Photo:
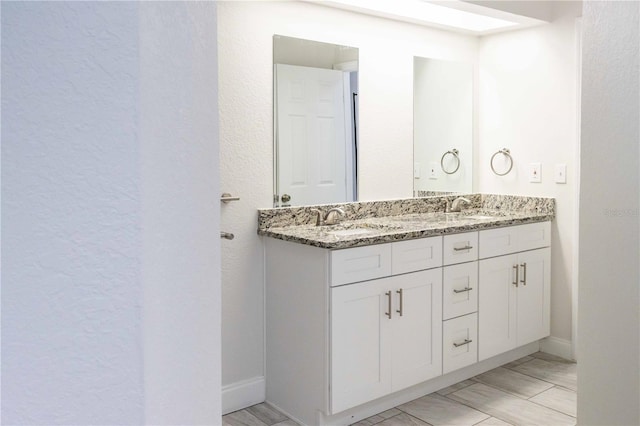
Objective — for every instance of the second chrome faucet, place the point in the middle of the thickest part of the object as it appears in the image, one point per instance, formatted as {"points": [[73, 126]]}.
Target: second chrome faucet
{"points": [[331, 218]]}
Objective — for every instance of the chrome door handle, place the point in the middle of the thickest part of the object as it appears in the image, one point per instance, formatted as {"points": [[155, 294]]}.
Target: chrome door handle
{"points": [[467, 247], [226, 198], [524, 273], [388, 294], [400, 310], [463, 290], [466, 342], [227, 235], [516, 281]]}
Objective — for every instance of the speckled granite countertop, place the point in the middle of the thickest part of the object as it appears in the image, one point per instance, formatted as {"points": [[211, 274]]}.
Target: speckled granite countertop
{"points": [[376, 230]]}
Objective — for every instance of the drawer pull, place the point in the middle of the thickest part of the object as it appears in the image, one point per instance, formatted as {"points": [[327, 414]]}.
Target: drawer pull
{"points": [[524, 273], [516, 281], [463, 290], [466, 342], [388, 294], [467, 247], [400, 310]]}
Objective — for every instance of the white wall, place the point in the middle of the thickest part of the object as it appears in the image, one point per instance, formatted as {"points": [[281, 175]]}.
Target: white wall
{"points": [[109, 214], [609, 324], [528, 103], [386, 51]]}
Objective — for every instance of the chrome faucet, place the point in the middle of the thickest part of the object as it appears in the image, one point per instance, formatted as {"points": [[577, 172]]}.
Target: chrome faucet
{"points": [[331, 218], [457, 205]]}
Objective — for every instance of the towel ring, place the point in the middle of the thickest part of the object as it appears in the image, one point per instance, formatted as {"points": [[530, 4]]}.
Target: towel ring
{"points": [[453, 152], [507, 153]]}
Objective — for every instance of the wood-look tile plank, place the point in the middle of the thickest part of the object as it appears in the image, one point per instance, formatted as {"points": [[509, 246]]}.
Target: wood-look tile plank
{"points": [[403, 419], [518, 362], [509, 408], [559, 399], [267, 414], [513, 382], [549, 357], [390, 413], [438, 410], [492, 421], [287, 422], [559, 373], [457, 386], [242, 418]]}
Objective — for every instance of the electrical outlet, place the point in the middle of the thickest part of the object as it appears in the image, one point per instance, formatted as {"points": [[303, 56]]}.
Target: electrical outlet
{"points": [[535, 172]]}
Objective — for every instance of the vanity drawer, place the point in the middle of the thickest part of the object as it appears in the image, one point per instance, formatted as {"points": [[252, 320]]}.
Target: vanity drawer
{"points": [[416, 255], [459, 342], [360, 264], [512, 239], [460, 248], [459, 290]]}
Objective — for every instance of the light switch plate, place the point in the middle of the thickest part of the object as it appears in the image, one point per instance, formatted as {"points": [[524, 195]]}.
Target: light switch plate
{"points": [[535, 172], [561, 173], [433, 170]]}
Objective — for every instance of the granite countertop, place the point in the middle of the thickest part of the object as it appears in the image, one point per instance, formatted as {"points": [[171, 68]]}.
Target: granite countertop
{"points": [[377, 230]]}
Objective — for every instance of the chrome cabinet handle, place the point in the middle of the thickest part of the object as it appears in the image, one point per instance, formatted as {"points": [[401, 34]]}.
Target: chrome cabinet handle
{"points": [[400, 310], [516, 281], [467, 247], [463, 290], [388, 294], [466, 342], [524, 273], [227, 235]]}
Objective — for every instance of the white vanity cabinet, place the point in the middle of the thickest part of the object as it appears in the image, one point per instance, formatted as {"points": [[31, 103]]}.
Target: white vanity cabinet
{"points": [[385, 336], [514, 299]]}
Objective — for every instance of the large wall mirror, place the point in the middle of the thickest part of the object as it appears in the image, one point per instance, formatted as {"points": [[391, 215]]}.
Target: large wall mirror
{"points": [[442, 126], [315, 110]]}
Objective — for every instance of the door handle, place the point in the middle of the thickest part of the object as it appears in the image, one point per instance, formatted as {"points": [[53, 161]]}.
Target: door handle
{"points": [[516, 281], [226, 198], [463, 290], [524, 273], [400, 293], [466, 342], [227, 235]]}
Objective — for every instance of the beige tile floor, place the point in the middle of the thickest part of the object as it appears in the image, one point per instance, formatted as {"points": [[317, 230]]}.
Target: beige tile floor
{"points": [[535, 390]]}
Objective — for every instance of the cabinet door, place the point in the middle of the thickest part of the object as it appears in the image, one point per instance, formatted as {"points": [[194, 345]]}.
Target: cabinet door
{"points": [[360, 346], [533, 295], [416, 340], [496, 306]]}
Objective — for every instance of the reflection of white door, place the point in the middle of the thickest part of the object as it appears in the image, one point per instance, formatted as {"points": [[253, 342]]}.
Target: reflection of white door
{"points": [[311, 134]]}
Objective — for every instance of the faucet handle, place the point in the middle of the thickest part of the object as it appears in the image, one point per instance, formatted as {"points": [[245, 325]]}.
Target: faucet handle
{"points": [[319, 217]]}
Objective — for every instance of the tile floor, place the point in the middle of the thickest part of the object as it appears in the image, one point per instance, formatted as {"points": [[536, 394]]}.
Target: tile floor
{"points": [[535, 390]]}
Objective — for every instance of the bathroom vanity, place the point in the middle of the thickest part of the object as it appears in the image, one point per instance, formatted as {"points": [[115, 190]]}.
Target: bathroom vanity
{"points": [[379, 310]]}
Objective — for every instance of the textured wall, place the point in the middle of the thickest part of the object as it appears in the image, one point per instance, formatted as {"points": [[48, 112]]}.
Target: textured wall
{"points": [[609, 323], [110, 213], [71, 219]]}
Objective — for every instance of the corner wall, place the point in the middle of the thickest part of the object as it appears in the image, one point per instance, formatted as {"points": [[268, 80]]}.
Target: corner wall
{"points": [[609, 321]]}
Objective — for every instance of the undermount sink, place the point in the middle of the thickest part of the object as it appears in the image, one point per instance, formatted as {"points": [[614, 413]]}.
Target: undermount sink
{"points": [[351, 232]]}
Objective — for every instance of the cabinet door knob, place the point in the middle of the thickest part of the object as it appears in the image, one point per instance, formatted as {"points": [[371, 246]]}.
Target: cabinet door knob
{"points": [[516, 280], [524, 273]]}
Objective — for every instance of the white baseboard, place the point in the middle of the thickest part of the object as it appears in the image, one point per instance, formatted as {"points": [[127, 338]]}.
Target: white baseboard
{"points": [[239, 395], [556, 346]]}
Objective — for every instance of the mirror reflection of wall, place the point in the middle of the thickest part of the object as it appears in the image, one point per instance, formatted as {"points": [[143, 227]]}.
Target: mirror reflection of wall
{"points": [[315, 122], [442, 126]]}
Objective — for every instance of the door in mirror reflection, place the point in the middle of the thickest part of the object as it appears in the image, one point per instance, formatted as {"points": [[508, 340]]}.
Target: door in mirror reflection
{"points": [[313, 134], [442, 126], [315, 122]]}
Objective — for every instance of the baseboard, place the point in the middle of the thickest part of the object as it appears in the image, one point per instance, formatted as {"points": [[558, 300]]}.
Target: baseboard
{"points": [[556, 346], [239, 395]]}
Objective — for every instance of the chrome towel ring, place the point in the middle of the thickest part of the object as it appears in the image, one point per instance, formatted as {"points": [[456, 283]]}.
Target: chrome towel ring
{"points": [[455, 153], [506, 153]]}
